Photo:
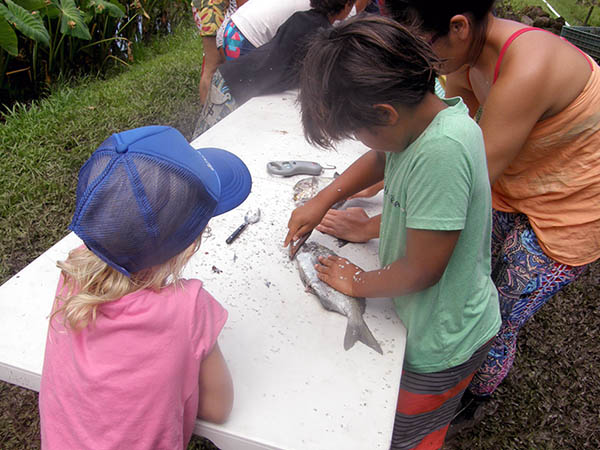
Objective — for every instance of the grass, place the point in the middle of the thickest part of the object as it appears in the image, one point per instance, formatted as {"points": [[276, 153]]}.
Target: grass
{"points": [[572, 11], [44, 145], [550, 400]]}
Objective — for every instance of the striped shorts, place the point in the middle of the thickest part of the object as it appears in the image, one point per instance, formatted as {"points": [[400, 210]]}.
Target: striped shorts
{"points": [[427, 403]]}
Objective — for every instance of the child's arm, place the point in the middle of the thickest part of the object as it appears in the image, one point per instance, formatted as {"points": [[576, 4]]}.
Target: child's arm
{"points": [[364, 172], [352, 224], [370, 191], [216, 388], [427, 255]]}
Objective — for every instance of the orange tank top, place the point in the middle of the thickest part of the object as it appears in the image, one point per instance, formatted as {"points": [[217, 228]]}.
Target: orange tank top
{"points": [[555, 179]]}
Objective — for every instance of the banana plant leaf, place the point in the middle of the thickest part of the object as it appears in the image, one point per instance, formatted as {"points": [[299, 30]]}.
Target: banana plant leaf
{"points": [[31, 25], [8, 38]]}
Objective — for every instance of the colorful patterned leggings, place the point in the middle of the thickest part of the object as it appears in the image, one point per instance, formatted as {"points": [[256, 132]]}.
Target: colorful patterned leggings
{"points": [[526, 279]]}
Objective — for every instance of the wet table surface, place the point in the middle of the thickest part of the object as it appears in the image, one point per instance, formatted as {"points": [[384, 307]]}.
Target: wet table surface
{"points": [[295, 385]]}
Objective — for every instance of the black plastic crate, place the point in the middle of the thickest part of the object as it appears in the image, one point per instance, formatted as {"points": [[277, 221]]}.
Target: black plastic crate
{"points": [[586, 38]]}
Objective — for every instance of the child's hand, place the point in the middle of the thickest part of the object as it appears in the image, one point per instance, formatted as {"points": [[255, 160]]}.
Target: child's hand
{"points": [[352, 224], [304, 219], [339, 273]]}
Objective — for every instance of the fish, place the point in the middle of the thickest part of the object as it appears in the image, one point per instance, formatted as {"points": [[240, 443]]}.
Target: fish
{"points": [[307, 188], [351, 307]]}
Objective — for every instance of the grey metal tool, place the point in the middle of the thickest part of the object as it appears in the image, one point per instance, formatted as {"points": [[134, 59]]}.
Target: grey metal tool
{"points": [[289, 168], [250, 217]]}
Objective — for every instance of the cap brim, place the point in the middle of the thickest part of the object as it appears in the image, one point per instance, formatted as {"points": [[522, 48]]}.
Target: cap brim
{"points": [[234, 176]]}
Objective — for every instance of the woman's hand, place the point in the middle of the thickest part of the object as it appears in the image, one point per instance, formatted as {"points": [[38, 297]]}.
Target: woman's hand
{"points": [[352, 224], [339, 273]]}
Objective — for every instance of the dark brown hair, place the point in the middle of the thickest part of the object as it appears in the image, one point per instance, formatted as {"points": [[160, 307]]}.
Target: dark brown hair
{"points": [[434, 16], [328, 7], [348, 69]]}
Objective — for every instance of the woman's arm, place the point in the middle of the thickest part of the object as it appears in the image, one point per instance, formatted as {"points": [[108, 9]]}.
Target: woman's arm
{"points": [[457, 85], [511, 110], [513, 106], [216, 388]]}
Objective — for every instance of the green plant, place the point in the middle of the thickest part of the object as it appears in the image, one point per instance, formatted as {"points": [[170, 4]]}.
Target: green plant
{"points": [[42, 40], [45, 143], [591, 4]]}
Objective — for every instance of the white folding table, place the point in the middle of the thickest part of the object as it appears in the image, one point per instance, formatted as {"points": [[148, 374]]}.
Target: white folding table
{"points": [[295, 385]]}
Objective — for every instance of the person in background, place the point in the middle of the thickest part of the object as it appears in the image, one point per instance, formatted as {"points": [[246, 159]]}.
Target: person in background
{"points": [[373, 79], [132, 356], [233, 7], [273, 67], [537, 100], [209, 16], [255, 24]]}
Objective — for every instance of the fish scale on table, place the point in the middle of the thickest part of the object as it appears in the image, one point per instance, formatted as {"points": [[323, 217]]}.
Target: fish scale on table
{"points": [[351, 307]]}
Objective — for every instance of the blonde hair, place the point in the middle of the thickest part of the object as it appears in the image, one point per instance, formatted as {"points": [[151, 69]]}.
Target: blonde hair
{"points": [[89, 282]]}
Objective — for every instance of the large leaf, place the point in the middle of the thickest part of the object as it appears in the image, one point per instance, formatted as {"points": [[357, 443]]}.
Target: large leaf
{"points": [[8, 38], [31, 5], [51, 10], [30, 24], [102, 6], [71, 22]]}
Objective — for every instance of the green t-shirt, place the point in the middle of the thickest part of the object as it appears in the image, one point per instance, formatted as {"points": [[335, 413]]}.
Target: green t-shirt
{"points": [[440, 182]]}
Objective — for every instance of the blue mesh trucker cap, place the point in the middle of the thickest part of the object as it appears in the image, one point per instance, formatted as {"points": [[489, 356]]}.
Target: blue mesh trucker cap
{"points": [[146, 194]]}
